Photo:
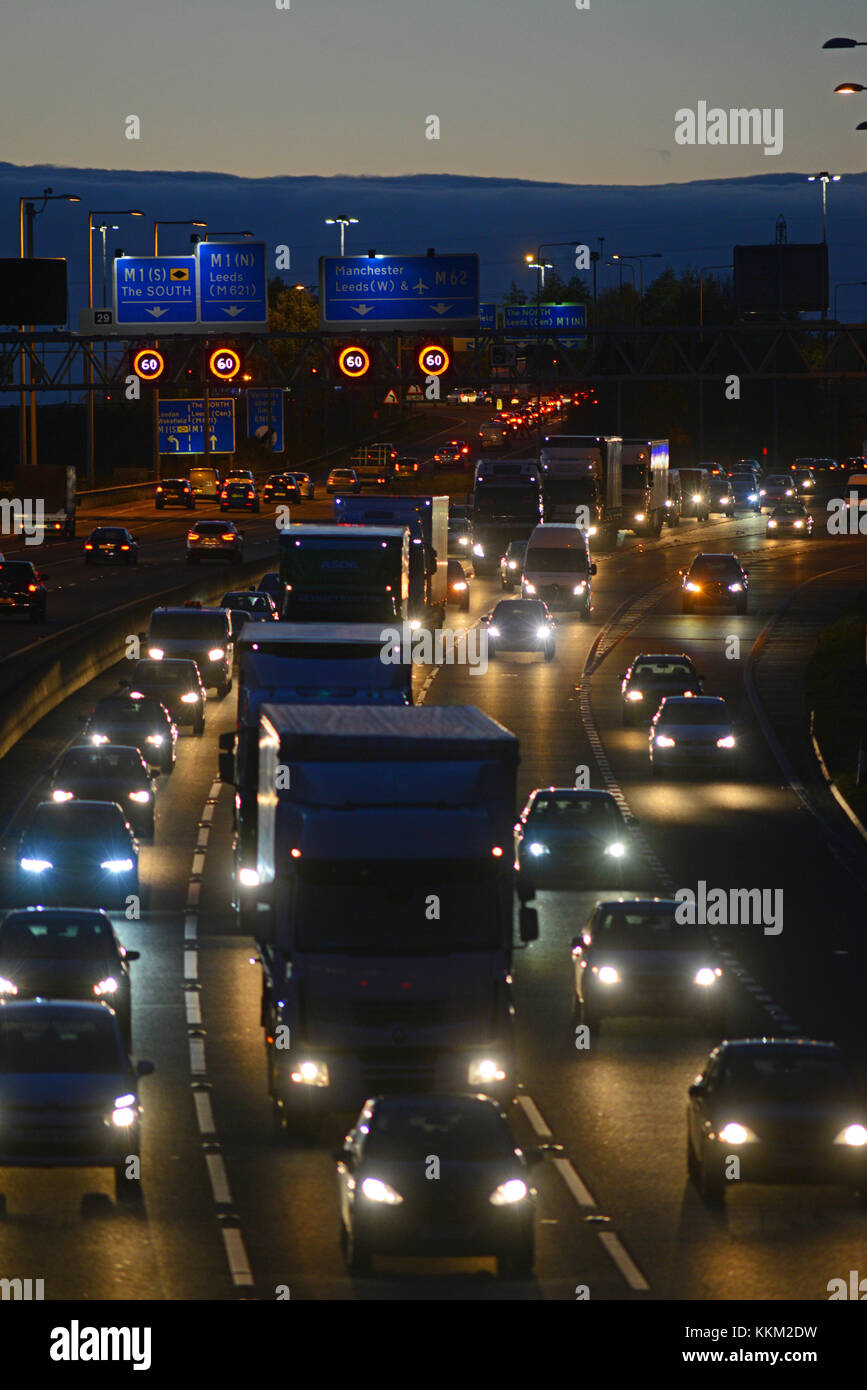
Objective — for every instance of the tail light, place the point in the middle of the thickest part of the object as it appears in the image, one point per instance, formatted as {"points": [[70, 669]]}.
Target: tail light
{"points": [[31, 588], [227, 536], [88, 546], [124, 546]]}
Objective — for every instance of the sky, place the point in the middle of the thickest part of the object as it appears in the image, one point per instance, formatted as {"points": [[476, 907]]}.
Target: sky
{"points": [[529, 89]]}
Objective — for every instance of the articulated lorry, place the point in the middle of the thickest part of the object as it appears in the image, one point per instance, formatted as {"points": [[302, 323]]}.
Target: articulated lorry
{"points": [[337, 574], [427, 519], [44, 502], [385, 903], [507, 505], [296, 664], [645, 485], [584, 484]]}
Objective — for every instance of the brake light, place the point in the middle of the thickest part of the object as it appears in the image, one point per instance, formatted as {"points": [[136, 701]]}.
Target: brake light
{"points": [[227, 536], [159, 489], [88, 546], [31, 588], [124, 546]]}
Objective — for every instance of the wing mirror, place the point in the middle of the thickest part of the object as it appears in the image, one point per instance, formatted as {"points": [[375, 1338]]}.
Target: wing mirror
{"points": [[132, 955], [144, 1068]]}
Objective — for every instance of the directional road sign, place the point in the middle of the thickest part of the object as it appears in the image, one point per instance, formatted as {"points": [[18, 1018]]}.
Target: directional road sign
{"points": [[399, 292], [233, 284], [265, 416], [182, 426], [155, 292], [520, 322]]}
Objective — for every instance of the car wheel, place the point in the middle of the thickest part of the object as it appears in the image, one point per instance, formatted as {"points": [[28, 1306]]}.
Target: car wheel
{"points": [[655, 768], [359, 1259], [676, 521], [465, 606], [159, 506], [167, 765], [127, 1190], [516, 1264], [149, 828], [711, 1183], [223, 689]]}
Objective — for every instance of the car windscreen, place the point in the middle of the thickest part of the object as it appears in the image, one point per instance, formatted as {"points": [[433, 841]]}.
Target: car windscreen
{"points": [[100, 762], [651, 931], [568, 560], [75, 821], [252, 603], [195, 626], [691, 712], [787, 1077], [517, 611], [16, 572], [42, 937], [407, 1135], [724, 568], [143, 711], [162, 673], [56, 1044], [662, 670], [109, 533], [212, 528], [789, 509], [580, 813]]}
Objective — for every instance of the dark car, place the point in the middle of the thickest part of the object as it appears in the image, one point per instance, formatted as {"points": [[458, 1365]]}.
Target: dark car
{"points": [[108, 772], [693, 733], [22, 589], [66, 953], [512, 564], [459, 545], [520, 625], [78, 852], [482, 1202], [144, 724], [68, 1091], [775, 488], [789, 519], [199, 634], [567, 836], [745, 491], [239, 495], [112, 545], [457, 586], [270, 584], [250, 605], [635, 959], [174, 492], [787, 1108], [695, 485], [716, 579], [343, 480], [457, 453], [281, 487], [406, 463], [177, 683], [652, 676], [804, 479], [722, 499], [214, 540]]}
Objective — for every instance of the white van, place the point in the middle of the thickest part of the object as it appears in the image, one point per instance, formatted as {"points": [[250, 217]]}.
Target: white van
{"points": [[205, 482], [558, 568]]}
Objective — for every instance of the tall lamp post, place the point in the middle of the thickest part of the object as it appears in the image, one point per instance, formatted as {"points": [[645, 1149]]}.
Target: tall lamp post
{"points": [[91, 408], [174, 222], [824, 178], [27, 212], [342, 221]]}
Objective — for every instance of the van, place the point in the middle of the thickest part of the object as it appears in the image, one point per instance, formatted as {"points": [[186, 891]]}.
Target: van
{"points": [[674, 501], [201, 634], [205, 482], [695, 489], [558, 568]]}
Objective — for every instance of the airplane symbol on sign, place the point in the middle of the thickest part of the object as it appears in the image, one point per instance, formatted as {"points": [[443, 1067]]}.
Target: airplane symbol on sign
{"points": [[420, 286]]}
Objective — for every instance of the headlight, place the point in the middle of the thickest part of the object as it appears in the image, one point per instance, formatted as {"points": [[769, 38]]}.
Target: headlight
{"points": [[762, 492], [190, 698], [772, 525], [542, 633], [117, 866], [528, 587], [696, 497], [592, 530], [155, 739], [808, 482], [107, 986], [692, 587], [513, 564], [35, 866], [664, 741], [459, 586], [483, 1070], [579, 588], [123, 1113], [463, 540], [537, 849], [494, 631], [727, 742], [156, 652], [249, 878], [724, 501], [415, 625], [753, 497], [216, 654], [635, 695], [376, 1191], [479, 550], [639, 516], [855, 1136], [617, 850], [789, 492], [706, 976], [799, 525], [607, 975], [7, 986], [58, 795], [733, 1133], [735, 588], [99, 738], [515, 1190], [311, 1073], [139, 797]]}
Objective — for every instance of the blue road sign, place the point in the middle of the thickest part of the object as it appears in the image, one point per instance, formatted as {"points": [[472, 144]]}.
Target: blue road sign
{"points": [[265, 415], [487, 318], [182, 426], [400, 292], [233, 283], [155, 291], [520, 322]]}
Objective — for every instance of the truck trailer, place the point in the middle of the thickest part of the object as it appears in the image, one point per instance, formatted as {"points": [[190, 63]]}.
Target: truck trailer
{"points": [[344, 574], [645, 485], [427, 519]]}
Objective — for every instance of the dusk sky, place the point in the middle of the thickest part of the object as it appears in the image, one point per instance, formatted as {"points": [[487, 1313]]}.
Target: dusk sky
{"points": [[533, 89]]}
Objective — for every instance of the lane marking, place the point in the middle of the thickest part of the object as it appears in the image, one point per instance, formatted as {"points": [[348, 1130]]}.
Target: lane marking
{"points": [[204, 1113], [197, 1056], [193, 1006], [198, 865], [582, 1194], [624, 1261], [239, 1265], [191, 965], [531, 1110], [219, 1179]]}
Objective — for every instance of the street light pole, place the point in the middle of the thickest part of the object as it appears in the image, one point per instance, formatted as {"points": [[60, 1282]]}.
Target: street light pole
{"points": [[342, 221], [174, 222], [91, 403]]}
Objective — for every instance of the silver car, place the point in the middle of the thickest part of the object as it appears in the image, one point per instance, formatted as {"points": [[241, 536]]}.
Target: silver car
{"points": [[692, 731]]}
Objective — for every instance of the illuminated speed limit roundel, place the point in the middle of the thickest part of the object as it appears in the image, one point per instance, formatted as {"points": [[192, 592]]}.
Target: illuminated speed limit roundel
{"points": [[224, 363], [354, 361], [434, 360], [148, 364]]}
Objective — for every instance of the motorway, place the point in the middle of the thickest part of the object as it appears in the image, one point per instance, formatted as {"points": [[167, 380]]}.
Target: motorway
{"points": [[232, 1210]]}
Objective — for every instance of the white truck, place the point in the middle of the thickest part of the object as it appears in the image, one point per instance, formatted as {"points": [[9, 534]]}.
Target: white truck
{"points": [[644, 465]]}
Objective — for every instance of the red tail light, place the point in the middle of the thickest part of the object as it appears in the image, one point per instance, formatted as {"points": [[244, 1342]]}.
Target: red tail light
{"points": [[124, 547], [227, 536], [31, 588], [88, 545]]}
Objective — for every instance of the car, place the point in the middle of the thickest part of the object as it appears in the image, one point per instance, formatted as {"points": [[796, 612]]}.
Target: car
{"points": [[68, 1091], [567, 836], [107, 772], [406, 463], [174, 492], [774, 488], [804, 479], [789, 519], [457, 587], [695, 486], [747, 465], [239, 475], [481, 1204], [712, 469], [674, 500], [456, 453], [343, 480], [177, 683], [694, 731], [789, 1109], [468, 395], [22, 589], [718, 579], [512, 565], [66, 953], [520, 625], [635, 959], [255, 607], [78, 853], [651, 676], [142, 723], [306, 484], [722, 500], [459, 538], [218, 540], [203, 635], [113, 544], [745, 491], [239, 494], [282, 487]]}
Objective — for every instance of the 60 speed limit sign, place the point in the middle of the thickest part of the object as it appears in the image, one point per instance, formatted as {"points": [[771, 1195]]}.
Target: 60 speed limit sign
{"points": [[354, 361], [434, 360]]}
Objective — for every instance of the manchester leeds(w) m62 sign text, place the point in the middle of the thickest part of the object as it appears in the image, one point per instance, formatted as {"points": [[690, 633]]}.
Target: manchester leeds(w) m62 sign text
{"points": [[399, 292]]}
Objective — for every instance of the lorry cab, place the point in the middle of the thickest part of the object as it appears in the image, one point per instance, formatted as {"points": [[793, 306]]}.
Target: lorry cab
{"points": [[558, 568]]}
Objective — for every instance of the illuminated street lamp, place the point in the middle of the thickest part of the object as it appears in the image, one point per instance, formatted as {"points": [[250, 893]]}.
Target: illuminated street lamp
{"points": [[342, 221], [824, 178]]}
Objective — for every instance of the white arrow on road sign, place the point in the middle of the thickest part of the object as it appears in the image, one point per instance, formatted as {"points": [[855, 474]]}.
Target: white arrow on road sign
{"points": [[173, 439], [420, 285], [440, 308], [214, 442], [363, 309], [233, 310], [157, 312]]}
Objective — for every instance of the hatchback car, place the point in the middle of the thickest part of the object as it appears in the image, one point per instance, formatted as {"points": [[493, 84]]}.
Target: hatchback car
{"points": [[239, 496], [481, 1204], [111, 545], [775, 488], [457, 586], [203, 635], [566, 836], [804, 479], [144, 724], [177, 683], [722, 499], [306, 484], [716, 579], [789, 519], [270, 584], [745, 491], [174, 492], [257, 607], [788, 1108], [635, 959], [78, 852], [693, 733], [22, 589], [459, 545], [652, 676], [406, 463], [512, 564], [695, 486], [214, 540], [66, 953], [68, 1091], [281, 487], [107, 772], [520, 625], [343, 480], [457, 453]]}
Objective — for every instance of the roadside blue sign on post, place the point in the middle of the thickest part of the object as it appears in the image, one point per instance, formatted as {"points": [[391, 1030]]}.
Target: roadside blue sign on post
{"points": [[487, 318], [265, 415], [399, 292], [155, 292], [520, 322], [233, 284], [182, 426]]}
